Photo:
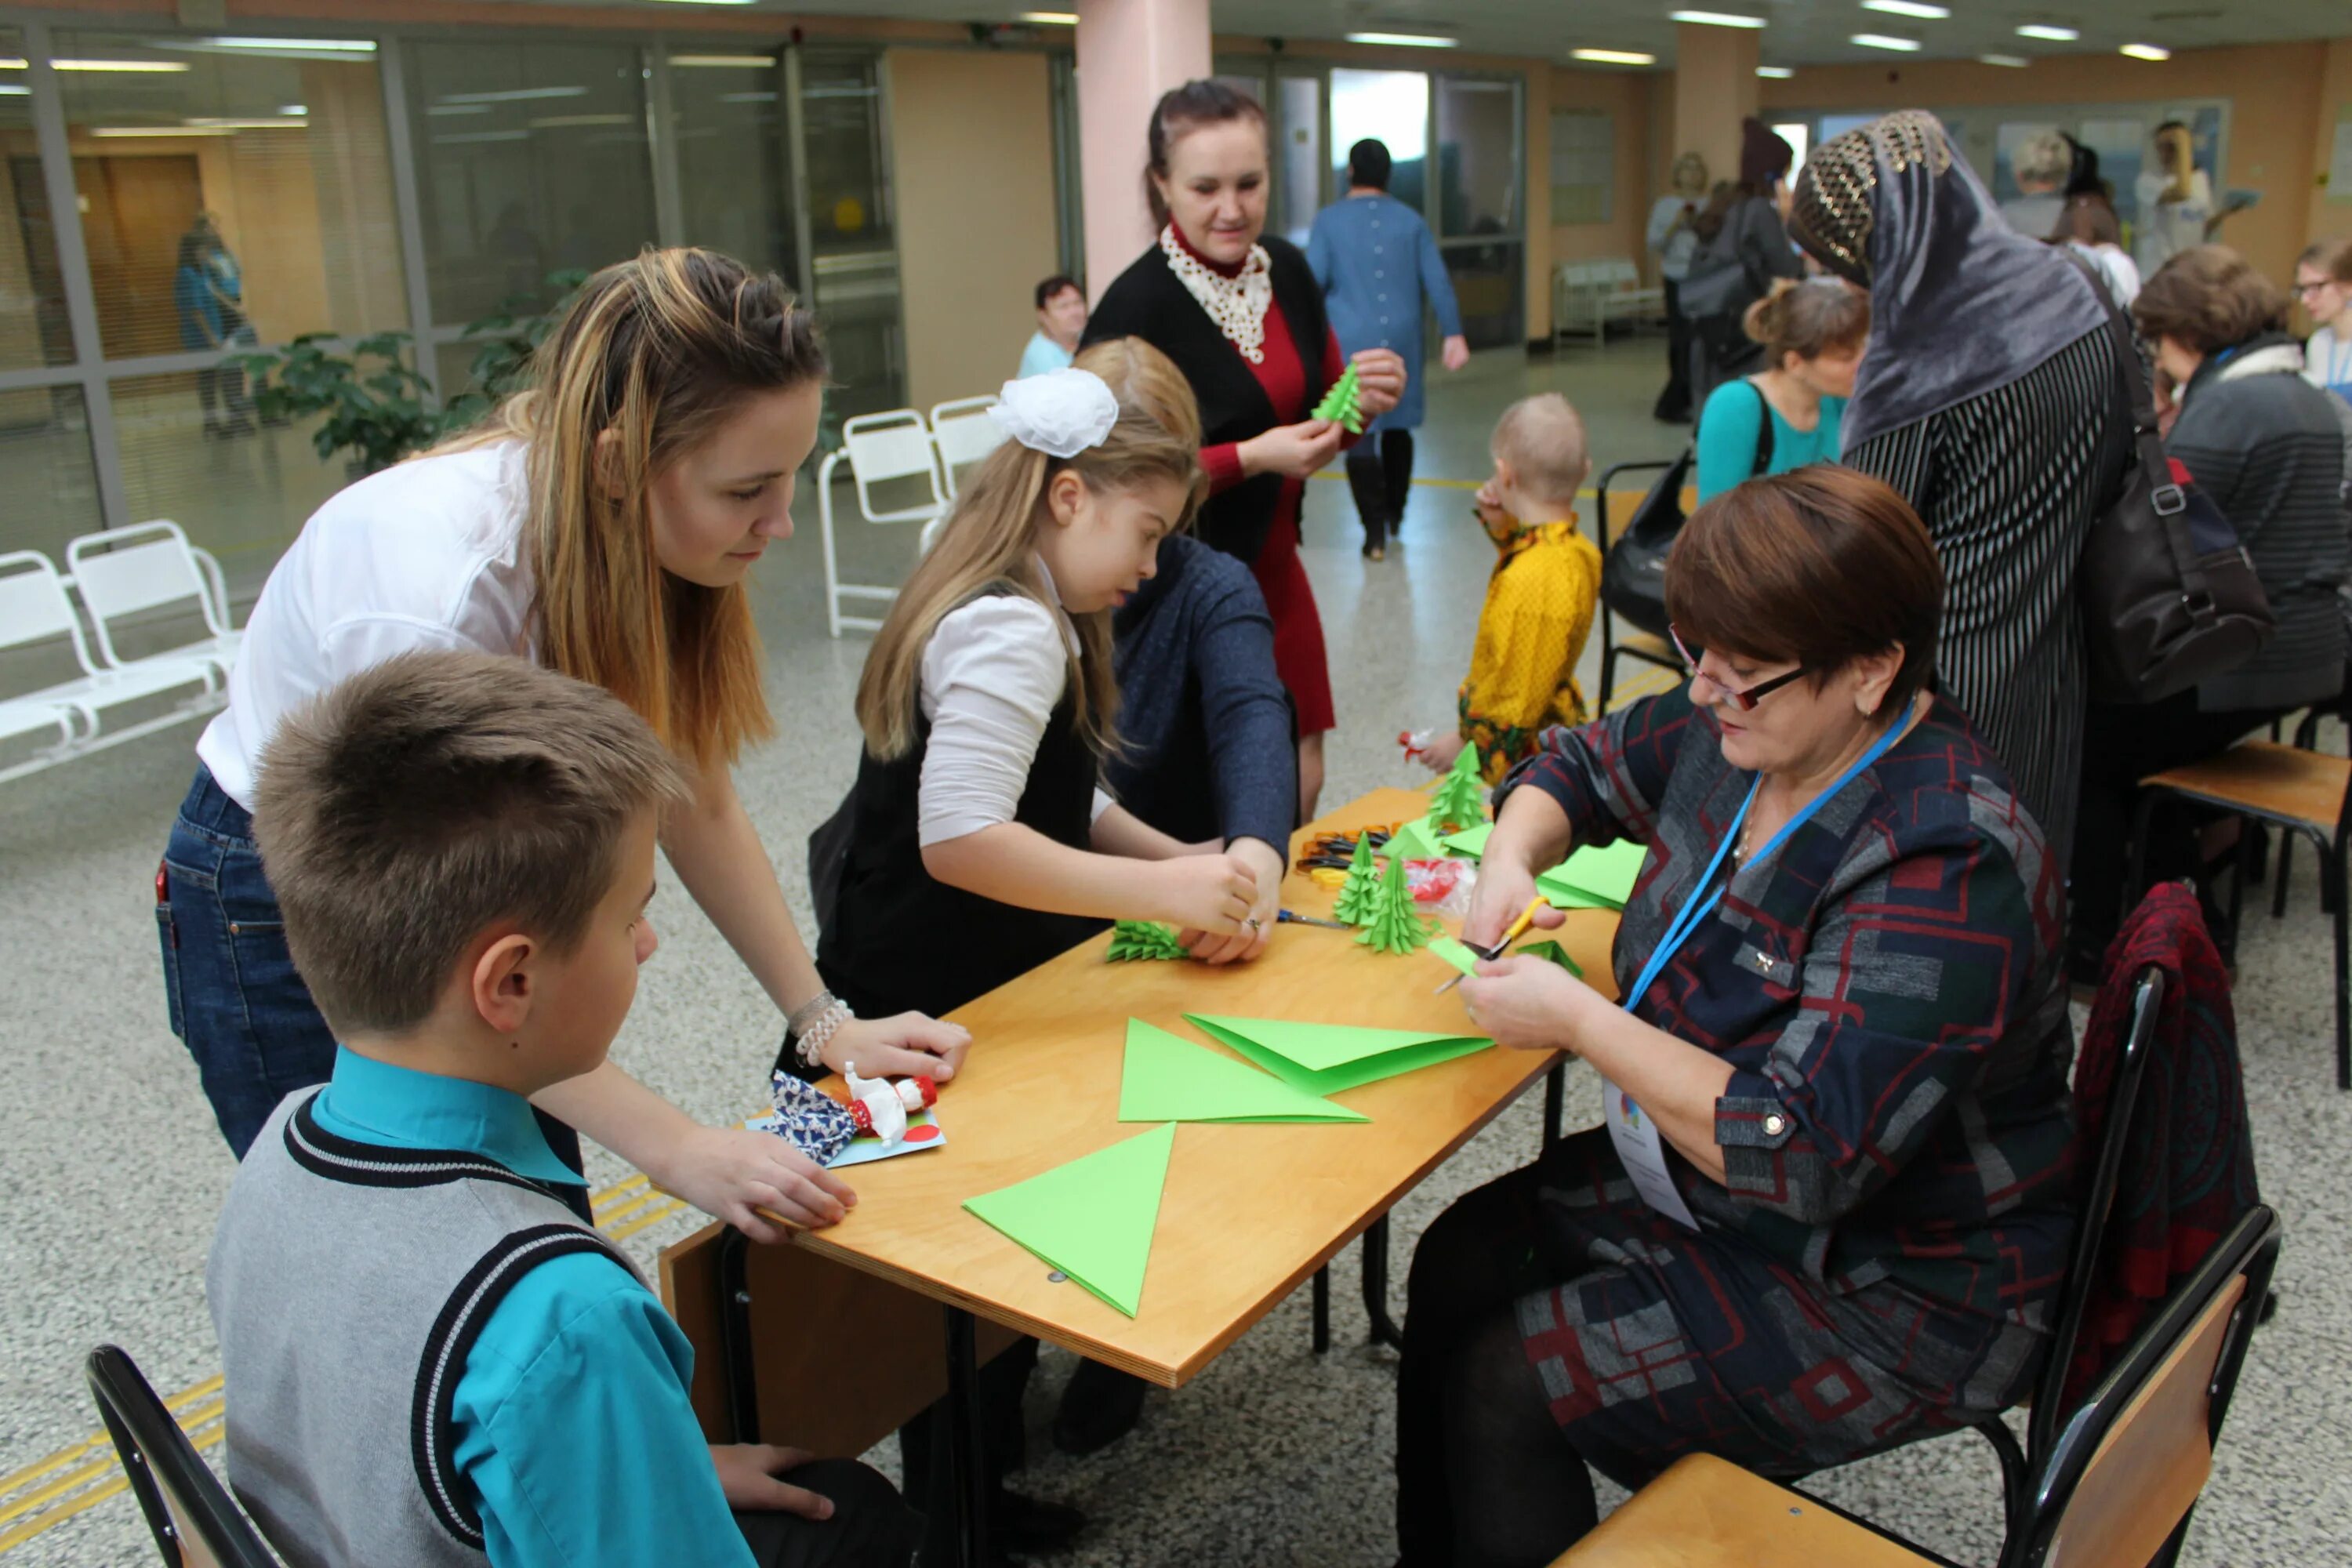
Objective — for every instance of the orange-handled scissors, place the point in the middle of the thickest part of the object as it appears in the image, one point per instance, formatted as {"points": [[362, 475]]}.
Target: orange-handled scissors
{"points": [[1518, 929]]}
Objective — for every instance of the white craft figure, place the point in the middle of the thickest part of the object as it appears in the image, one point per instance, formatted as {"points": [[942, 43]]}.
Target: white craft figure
{"points": [[880, 1107]]}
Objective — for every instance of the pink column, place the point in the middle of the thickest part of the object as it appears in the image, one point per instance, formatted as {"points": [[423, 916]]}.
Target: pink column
{"points": [[1129, 52]]}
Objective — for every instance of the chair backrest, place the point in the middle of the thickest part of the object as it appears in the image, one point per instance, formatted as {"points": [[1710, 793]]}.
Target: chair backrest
{"points": [[34, 605], [964, 434], [888, 448], [195, 1523], [125, 570], [2091, 1223], [1617, 272], [2126, 1468]]}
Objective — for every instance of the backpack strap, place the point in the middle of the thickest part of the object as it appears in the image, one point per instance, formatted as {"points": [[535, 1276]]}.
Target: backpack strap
{"points": [[1763, 432], [2139, 397]]}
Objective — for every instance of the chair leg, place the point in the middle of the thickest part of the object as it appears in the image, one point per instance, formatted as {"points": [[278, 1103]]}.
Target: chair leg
{"points": [[2016, 1485], [1607, 661], [1322, 1330], [2278, 873], [2306, 733], [2335, 864], [1555, 1100]]}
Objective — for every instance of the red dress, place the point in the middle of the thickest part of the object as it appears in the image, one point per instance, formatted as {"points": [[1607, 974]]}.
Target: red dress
{"points": [[1298, 653]]}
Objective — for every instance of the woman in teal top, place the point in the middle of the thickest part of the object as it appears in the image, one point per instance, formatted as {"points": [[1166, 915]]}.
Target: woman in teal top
{"points": [[1786, 415]]}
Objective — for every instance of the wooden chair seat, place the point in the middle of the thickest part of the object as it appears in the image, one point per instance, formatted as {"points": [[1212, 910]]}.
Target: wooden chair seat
{"points": [[2280, 782], [1705, 1512]]}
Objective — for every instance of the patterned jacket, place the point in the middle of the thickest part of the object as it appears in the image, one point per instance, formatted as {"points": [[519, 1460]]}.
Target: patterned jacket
{"points": [[1885, 989], [1531, 632]]}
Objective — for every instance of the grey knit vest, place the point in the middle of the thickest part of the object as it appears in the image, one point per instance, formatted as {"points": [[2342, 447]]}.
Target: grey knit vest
{"points": [[348, 1283]]}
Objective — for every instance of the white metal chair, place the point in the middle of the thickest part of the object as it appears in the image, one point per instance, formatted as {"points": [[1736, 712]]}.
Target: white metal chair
{"points": [[963, 433], [881, 449], [36, 608], [126, 571]]}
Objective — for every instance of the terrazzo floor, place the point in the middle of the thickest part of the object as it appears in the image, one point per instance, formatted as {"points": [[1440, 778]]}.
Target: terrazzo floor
{"points": [[111, 1171]]}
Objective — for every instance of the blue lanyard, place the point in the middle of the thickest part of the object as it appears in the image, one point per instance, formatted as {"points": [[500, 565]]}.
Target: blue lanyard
{"points": [[1679, 931]]}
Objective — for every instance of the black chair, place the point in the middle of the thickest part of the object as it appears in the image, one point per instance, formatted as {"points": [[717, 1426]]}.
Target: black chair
{"points": [[195, 1523], [1646, 646], [2119, 1481]]}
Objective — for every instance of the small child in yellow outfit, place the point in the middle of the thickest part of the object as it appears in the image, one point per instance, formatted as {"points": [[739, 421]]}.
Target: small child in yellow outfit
{"points": [[1540, 599]]}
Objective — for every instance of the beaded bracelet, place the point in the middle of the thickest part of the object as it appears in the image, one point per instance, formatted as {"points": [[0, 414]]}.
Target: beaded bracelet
{"points": [[815, 1024]]}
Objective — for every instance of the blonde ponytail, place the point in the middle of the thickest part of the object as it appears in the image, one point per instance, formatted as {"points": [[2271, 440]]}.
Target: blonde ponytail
{"points": [[989, 543], [653, 356]]}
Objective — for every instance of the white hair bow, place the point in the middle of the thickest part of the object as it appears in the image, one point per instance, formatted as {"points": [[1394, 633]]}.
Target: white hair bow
{"points": [[1061, 412]]}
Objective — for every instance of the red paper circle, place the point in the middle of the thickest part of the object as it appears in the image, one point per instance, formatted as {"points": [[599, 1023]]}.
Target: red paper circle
{"points": [[921, 1134]]}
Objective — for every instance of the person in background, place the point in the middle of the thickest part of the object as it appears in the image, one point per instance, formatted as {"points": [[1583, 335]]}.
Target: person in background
{"points": [[1743, 246], [1540, 597], [1061, 322], [2041, 165], [1986, 397], [1241, 314], [1376, 261], [2176, 200], [2268, 448], [1787, 415], [1672, 239], [2088, 228], [2323, 285], [202, 331]]}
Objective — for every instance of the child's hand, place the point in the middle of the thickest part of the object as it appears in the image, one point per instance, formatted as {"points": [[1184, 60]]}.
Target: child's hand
{"points": [[1443, 749], [1294, 451], [731, 1172], [907, 1045], [748, 1472], [1266, 864], [1210, 893], [1491, 510]]}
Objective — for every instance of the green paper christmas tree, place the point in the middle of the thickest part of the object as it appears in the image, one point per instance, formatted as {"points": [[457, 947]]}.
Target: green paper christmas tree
{"points": [[1362, 890], [1460, 799], [1143, 938], [1339, 404], [1395, 926]]}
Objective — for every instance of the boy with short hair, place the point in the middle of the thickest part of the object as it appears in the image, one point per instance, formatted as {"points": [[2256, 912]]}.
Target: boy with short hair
{"points": [[1540, 599], [431, 1357]]}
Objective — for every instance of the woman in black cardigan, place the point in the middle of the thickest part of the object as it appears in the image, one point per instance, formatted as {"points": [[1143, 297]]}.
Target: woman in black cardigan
{"points": [[1242, 316]]}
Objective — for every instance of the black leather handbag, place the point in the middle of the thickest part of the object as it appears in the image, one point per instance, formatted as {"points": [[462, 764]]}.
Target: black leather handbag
{"points": [[1634, 573], [2168, 595]]}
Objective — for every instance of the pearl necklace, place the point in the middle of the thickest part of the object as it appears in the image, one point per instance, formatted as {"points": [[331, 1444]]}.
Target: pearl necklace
{"points": [[1236, 304]]}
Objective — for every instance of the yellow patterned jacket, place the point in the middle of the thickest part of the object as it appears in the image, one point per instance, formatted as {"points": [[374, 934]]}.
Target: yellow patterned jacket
{"points": [[1539, 611]]}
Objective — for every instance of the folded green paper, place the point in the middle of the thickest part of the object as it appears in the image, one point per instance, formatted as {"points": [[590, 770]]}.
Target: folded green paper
{"points": [[1415, 840], [1454, 953], [1470, 841], [1325, 1059], [1168, 1079], [1091, 1220], [1598, 876], [1553, 952]]}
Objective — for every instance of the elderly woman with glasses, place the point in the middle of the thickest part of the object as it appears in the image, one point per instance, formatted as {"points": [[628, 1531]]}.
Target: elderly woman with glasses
{"points": [[1828, 1211]]}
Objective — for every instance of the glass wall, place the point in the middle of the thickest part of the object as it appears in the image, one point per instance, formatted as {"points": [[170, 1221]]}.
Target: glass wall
{"points": [[228, 193], [234, 193], [733, 172], [1392, 106], [1480, 229], [530, 159]]}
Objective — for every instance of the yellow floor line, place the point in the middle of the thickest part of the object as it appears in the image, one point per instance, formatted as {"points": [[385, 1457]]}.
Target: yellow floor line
{"points": [[651, 1216], [606, 1218], [612, 1195], [89, 1499]]}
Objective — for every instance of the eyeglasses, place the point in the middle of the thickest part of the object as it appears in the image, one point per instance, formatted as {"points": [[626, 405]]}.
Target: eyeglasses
{"points": [[1745, 702], [2312, 285]]}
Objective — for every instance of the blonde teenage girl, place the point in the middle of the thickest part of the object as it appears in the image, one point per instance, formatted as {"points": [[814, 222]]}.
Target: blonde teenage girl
{"points": [[600, 523]]}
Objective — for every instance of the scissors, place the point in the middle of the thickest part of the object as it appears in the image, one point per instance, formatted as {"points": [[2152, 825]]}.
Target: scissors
{"points": [[1291, 916], [1518, 929]]}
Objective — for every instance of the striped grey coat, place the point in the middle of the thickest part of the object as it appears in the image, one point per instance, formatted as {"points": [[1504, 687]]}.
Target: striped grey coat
{"points": [[2265, 445], [2008, 483]]}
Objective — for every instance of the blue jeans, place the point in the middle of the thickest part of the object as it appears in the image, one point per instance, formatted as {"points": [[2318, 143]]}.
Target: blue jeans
{"points": [[234, 994]]}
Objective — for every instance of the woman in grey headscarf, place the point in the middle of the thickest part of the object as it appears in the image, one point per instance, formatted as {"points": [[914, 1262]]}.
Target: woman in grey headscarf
{"points": [[1988, 397]]}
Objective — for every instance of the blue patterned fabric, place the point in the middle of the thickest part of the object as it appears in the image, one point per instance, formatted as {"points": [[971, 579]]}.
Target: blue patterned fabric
{"points": [[809, 1119]]}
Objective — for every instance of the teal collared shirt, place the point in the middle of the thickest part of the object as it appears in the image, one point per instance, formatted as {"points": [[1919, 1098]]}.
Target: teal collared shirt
{"points": [[1042, 354], [572, 1419]]}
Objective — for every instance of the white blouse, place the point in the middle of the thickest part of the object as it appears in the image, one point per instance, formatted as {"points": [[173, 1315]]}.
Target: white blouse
{"points": [[993, 674]]}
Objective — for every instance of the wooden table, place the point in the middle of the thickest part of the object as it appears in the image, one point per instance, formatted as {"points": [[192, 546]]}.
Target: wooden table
{"points": [[1249, 1211]]}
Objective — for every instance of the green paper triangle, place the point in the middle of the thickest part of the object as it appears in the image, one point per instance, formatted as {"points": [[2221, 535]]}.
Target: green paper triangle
{"points": [[1324, 1058], [1596, 876], [1092, 1219], [1456, 954], [1556, 953], [1470, 841], [1169, 1078], [1414, 841]]}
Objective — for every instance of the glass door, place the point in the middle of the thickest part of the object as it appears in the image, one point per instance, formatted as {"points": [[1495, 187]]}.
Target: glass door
{"points": [[1297, 133], [841, 166], [1480, 202]]}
